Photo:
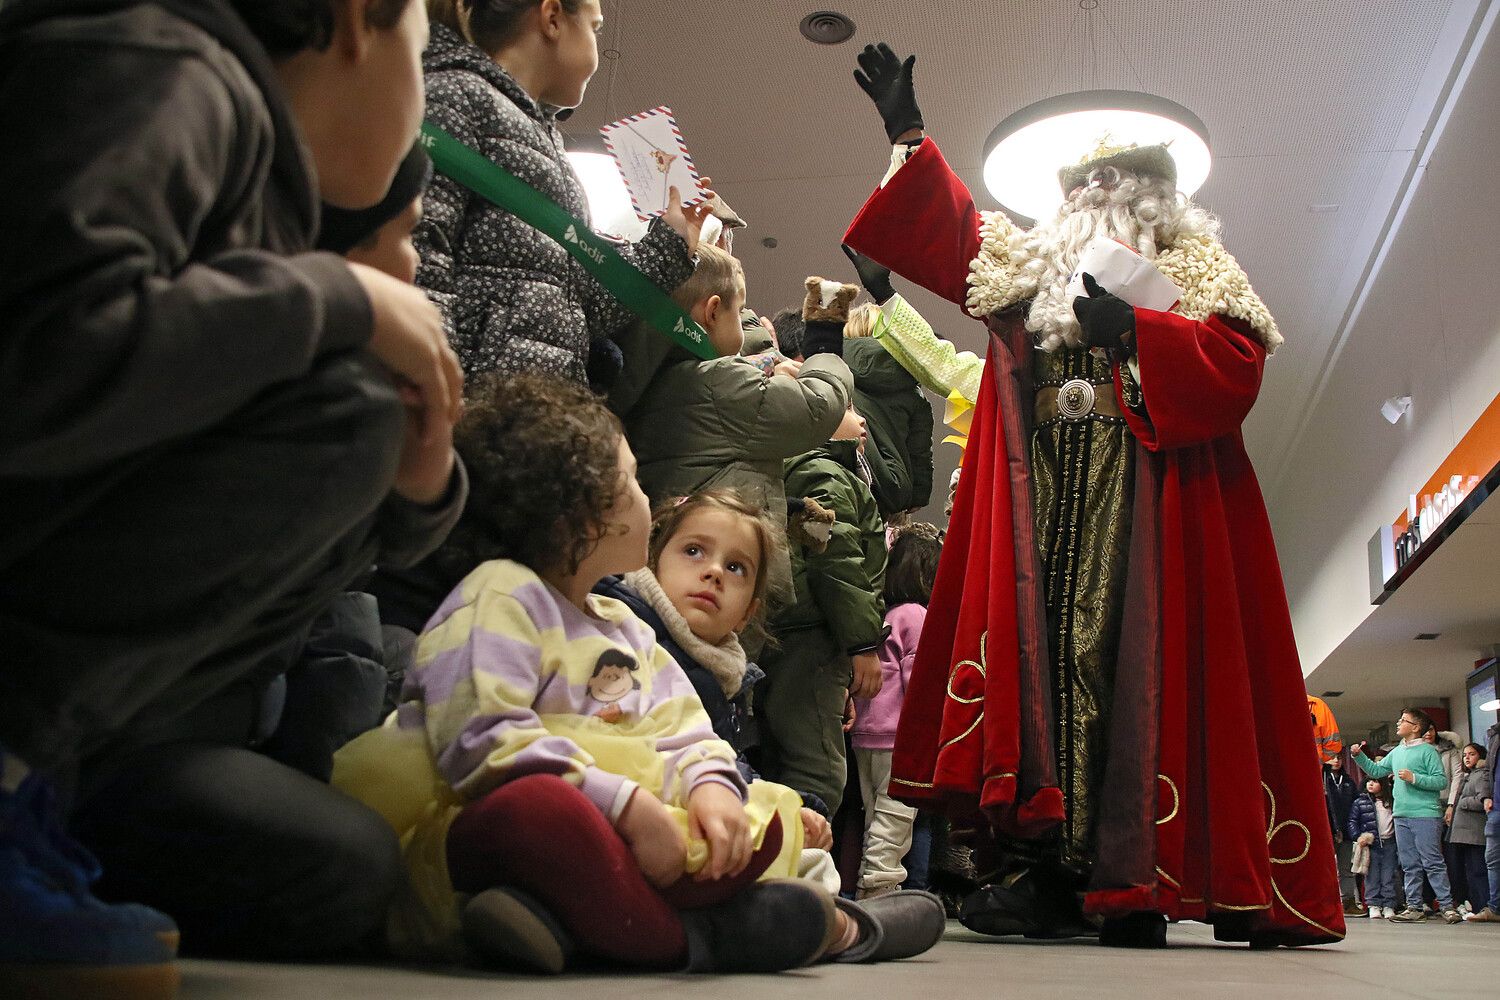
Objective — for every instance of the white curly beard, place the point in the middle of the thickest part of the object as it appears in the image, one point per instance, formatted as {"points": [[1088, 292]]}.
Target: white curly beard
{"points": [[1146, 215]]}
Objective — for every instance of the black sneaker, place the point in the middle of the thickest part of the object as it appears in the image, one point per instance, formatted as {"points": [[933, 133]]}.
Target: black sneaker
{"points": [[1037, 903], [771, 926]]}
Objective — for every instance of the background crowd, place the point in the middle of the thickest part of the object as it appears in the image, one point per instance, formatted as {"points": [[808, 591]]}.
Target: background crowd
{"points": [[371, 575], [1415, 829]]}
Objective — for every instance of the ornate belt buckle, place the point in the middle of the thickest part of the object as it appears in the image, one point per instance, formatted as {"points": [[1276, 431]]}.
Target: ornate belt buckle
{"points": [[1075, 399]]}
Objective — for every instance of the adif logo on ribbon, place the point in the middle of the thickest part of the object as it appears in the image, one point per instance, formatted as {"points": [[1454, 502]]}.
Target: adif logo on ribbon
{"points": [[592, 252], [684, 330]]}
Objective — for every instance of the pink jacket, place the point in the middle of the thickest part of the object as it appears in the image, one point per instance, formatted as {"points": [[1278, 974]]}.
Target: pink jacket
{"points": [[875, 727]]}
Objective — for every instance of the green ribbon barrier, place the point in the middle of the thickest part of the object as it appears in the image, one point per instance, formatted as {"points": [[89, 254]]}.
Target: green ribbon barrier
{"points": [[498, 185]]}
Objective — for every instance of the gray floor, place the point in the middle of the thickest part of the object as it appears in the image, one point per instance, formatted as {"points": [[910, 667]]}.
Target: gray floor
{"points": [[1377, 960]]}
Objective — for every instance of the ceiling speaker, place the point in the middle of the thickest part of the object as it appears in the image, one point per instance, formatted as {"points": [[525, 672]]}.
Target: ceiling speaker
{"points": [[826, 27]]}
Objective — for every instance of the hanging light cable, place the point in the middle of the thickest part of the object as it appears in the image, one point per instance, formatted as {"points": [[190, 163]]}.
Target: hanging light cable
{"points": [[1024, 152]]}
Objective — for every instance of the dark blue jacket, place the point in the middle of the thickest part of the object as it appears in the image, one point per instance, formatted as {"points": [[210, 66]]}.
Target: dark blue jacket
{"points": [[1362, 818], [1494, 758]]}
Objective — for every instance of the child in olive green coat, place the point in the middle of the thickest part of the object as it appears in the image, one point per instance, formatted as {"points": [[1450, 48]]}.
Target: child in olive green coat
{"points": [[829, 636]]}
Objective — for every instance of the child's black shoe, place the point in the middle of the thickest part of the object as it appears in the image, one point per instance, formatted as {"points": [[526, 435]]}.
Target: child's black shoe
{"points": [[771, 926], [513, 931]]}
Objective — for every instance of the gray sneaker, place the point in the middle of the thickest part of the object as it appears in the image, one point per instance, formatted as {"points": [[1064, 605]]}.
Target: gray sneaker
{"points": [[1410, 916], [1452, 916], [894, 926]]}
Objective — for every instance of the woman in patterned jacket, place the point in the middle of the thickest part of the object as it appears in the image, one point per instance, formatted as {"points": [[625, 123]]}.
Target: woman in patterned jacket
{"points": [[498, 72]]}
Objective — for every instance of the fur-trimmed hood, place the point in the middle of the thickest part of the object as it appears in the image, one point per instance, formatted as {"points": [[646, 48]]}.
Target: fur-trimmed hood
{"points": [[1211, 279]]}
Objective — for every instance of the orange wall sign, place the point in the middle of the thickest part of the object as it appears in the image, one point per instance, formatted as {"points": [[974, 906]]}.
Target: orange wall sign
{"points": [[1464, 480]]}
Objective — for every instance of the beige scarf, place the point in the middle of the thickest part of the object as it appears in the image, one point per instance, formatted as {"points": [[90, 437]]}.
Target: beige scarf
{"points": [[726, 661]]}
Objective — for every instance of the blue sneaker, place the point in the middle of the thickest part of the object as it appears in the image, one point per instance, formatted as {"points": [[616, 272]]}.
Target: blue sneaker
{"points": [[56, 938]]}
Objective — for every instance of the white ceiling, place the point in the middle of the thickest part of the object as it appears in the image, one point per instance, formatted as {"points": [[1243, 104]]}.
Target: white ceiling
{"points": [[1317, 103], [1417, 332]]}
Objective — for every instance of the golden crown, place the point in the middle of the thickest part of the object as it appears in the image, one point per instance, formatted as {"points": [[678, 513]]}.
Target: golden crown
{"points": [[1106, 146]]}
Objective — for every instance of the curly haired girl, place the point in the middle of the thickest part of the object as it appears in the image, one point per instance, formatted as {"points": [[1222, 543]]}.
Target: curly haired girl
{"points": [[549, 756]]}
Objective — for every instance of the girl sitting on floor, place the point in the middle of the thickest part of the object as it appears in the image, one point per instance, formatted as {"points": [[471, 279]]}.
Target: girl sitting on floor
{"points": [[552, 760]]}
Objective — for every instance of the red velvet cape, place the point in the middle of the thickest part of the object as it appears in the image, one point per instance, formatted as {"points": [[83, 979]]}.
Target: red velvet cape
{"points": [[1222, 813]]}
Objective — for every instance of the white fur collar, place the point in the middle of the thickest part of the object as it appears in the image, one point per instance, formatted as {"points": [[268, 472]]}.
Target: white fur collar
{"points": [[726, 661], [1211, 279]]}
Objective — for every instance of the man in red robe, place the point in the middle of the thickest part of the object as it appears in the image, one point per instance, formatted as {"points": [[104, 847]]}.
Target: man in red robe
{"points": [[1107, 680]]}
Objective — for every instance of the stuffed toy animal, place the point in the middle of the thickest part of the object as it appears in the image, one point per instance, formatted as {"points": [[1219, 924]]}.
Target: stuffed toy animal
{"points": [[827, 301], [809, 522]]}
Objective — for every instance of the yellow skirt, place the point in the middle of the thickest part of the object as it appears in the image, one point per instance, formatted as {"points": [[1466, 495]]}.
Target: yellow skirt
{"points": [[391, 770]]}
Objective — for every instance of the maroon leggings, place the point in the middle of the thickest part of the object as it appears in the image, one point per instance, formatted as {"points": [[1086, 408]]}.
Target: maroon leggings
{"points": [[543, 836]]}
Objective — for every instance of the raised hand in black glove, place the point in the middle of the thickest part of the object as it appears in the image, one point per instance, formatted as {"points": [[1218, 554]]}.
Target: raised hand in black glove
{"points": [[875, 277], [888, 82], [1107, 320]]}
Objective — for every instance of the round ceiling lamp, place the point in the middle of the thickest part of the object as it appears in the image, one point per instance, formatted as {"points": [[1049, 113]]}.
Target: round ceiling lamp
{"points": [[610, 209], [1022, 156]]}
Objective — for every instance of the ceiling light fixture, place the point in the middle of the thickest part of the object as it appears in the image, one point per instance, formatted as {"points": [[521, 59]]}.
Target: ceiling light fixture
{"points": [[1024, 153], [1491, 706], [610, 210]]}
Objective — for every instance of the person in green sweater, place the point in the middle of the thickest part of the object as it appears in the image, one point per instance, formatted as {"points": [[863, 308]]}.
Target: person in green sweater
{"points": [[1419, 792]]}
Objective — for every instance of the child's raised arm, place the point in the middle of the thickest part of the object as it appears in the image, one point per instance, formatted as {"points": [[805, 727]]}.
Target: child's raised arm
{"points": [[778, 417]]}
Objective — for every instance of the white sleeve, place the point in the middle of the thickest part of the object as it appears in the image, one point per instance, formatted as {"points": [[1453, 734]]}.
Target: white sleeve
{"points": [[900, 153]]}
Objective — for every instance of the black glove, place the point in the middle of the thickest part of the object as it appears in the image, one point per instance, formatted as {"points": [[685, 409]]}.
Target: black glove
{"points": [[875, 277], [888, 82], [1108, 321]]}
